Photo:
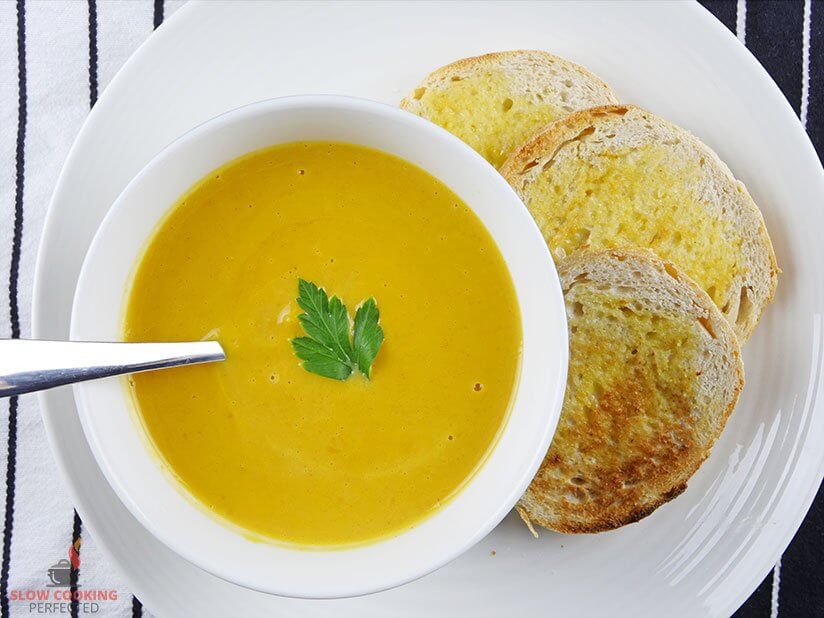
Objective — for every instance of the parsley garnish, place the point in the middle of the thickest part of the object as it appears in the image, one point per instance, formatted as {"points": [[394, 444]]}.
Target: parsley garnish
{"points": [[328, 351]]}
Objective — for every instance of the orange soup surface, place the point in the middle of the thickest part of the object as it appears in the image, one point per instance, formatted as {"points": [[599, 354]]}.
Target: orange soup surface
{"points": [[280, 452]]}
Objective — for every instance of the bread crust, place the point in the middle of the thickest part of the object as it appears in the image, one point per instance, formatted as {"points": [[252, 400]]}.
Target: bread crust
{"points": [[635, 487], [755, 283]]}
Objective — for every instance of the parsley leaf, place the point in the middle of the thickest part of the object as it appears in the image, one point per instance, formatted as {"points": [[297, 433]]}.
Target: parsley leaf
{"points": [[320, 360], [328, 351], [326, 321], [368, 335]]}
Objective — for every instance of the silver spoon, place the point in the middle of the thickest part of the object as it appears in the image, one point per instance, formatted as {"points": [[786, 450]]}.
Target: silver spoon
{"points": [[28, 365]]}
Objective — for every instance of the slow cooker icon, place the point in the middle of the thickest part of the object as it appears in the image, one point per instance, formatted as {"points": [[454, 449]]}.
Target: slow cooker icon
{"points": [[60, 574]]}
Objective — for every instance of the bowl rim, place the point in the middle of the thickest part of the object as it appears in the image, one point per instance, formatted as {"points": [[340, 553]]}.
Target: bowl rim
{"points": [[85, 392]]}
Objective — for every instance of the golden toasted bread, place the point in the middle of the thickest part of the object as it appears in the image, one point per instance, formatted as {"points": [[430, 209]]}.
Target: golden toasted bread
{"points": [[654, 372], [496, 101], [618, 176]]}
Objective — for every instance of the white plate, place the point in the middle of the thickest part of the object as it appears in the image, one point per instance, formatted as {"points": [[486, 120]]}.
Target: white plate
{"points": [[701, 554]]}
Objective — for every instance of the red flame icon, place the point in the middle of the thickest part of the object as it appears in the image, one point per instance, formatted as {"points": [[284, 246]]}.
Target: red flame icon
{"points": [[74, 554]]}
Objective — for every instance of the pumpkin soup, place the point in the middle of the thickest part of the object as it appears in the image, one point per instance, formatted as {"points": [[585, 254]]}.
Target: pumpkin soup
{"points": [[272, 447]]}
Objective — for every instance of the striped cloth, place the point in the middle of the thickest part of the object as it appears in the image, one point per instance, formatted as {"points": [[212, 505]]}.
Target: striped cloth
{"points": [[55, 58]]}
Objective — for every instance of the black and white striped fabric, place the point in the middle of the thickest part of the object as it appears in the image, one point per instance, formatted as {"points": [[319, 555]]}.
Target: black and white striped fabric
{"points": [[55, 58]]}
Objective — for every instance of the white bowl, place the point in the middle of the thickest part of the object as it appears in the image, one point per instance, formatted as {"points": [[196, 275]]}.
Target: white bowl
{"points": [[137, 475]]}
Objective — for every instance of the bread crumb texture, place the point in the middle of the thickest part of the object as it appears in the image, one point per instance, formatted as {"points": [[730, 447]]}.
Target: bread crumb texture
{"points": [[496, 102], [654, 371], [639, 197], [618, 176]]}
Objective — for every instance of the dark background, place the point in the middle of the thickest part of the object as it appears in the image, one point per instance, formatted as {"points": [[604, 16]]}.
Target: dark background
{"points": [[774, 34]]}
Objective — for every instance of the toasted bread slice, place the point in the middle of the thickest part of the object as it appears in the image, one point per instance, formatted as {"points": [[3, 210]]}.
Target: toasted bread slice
{"points": [[619, 176], [654, 372], [496, 101]]}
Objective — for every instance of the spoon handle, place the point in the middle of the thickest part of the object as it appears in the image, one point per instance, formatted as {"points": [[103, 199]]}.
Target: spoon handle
{"points": [[27, 365]]}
